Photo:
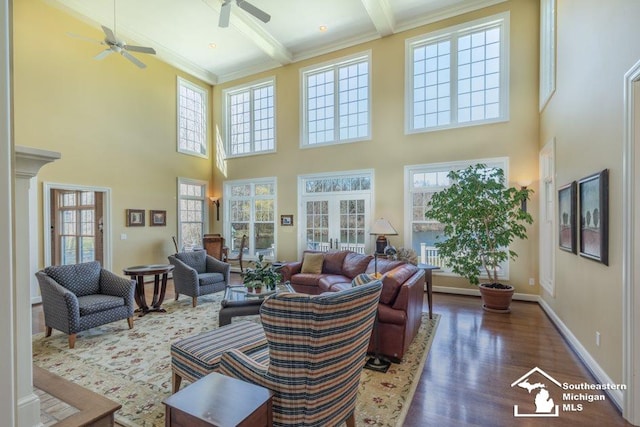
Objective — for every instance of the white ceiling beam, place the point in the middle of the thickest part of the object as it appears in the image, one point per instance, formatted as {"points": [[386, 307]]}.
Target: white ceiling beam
{"points": [[381, 15], [255, 33]]}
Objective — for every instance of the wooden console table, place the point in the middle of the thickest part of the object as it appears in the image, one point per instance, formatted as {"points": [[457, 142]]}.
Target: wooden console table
{"points": [[221, 401], [157, 270], [428, 281]]}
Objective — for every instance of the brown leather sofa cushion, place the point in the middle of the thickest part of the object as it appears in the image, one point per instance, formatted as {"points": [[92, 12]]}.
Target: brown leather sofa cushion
{"points": [[384, 265], [312, 263], [393, 280], [333, 262], [327, 282], [355, 264]]}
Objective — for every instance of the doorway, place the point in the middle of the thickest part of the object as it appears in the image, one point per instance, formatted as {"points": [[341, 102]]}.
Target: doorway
{"points": [[77, 223], [335, 211]]}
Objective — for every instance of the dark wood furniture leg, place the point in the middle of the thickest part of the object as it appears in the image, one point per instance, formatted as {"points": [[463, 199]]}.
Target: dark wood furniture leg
{"points": [[158, 292], [428, 279], [139, 296]]}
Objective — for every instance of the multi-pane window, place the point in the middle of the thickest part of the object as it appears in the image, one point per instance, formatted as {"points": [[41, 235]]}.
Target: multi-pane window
{"points": [[192, 119], [422, 182], [77, 228], [252, 212], [336, 102], [458, 76], [250, 119], [192, 212]]}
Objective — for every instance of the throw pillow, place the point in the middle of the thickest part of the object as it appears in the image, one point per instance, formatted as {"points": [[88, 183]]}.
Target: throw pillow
{"points": [[312, 263], [361, 279]]}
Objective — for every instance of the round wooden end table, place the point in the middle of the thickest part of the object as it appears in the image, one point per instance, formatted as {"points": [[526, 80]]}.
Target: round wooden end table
{"points": [[157, 270]]}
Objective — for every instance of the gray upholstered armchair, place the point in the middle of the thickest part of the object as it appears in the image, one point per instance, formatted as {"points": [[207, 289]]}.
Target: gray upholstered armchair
{"points": [[197, 273], [82, 296]]}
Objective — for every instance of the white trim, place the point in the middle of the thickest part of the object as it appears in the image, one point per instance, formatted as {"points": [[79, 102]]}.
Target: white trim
{"points": [[475, 292], [547, 51], [205, 207], [226, 129], [630, 279], [107, 252], [454, 33], [547, 280], [364, 56], [596, 370], [205, 98]]}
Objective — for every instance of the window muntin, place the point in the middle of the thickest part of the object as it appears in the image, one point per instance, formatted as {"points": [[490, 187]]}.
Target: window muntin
{"points": [[336, 102], [252, 212], [250, 119], [458, 76], [192, 213], [192, 119], [421, 183]]}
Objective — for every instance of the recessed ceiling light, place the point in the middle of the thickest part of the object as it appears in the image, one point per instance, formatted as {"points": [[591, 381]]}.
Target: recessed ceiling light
{"points": [[213, 45], [323, 28]]}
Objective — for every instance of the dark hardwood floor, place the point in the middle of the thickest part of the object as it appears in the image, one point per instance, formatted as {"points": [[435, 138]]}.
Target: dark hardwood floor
{"points": [[474, 359]]}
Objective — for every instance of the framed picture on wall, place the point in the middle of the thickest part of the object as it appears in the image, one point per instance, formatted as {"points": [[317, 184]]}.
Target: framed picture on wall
{"points": [[567, 204], [286, 220], [135, 217], [157, 218], [593, 195]]}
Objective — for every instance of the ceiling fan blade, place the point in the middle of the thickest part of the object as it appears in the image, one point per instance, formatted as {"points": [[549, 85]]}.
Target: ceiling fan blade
{"points": [[140, 49], [103, 54], [78, 36], [132, 59], [225, 13], [110, 36], [258, 13]]}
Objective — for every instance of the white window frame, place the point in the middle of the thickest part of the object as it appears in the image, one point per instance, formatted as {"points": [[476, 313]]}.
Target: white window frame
{"points": [[227, 198], [334, 65], [547, 51], [547, 215], [453, 34], [205, 209], [410, 170], [250, 87], [204, 93]]}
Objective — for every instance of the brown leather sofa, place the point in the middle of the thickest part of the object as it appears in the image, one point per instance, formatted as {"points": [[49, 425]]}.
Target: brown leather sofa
{"points": [[400, 306]]}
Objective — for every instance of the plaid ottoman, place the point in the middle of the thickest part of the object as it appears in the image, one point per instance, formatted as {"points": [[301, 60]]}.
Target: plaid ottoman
{"points": [[194, 357]]}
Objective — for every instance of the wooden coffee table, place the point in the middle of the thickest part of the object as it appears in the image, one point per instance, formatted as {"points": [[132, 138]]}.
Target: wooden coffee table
{"points": [[218, 400], [238, 302]]}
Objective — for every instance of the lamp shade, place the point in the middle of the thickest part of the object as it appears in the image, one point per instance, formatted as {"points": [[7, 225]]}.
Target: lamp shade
{"points": [[383, 227]]}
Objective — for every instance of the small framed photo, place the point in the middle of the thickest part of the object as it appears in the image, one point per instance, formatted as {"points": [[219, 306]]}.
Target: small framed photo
{"points": [[157, 218], [567, 204], [286, 220], [135, 217], [593, 195]]}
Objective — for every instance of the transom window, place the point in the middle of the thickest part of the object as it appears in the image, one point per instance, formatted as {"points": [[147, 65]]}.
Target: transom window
{"points": [[251, 212], [421, 183], [192, 212], [250, 118], [458, 76], [336, 101], [192, 119]]}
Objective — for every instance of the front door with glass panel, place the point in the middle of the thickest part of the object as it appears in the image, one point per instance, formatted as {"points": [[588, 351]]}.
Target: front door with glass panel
{"points": [[336, 213]]}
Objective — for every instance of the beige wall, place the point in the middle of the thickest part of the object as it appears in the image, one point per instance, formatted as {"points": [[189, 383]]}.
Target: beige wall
{"points": [[390, 149], [114, 124], [596, 46]]}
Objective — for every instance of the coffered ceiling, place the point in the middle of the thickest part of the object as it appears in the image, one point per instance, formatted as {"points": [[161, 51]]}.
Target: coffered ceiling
{"points": [[184, 31]]}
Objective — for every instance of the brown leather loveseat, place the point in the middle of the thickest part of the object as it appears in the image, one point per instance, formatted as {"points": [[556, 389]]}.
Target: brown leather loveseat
{"points": [[400, 306]]}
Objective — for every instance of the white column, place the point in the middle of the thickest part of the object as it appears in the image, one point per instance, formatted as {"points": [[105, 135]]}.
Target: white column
{"points": [[7, 336], [28, 162]]}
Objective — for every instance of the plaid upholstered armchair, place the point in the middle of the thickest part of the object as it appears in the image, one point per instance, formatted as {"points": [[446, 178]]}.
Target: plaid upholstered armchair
{"points": [[317, 348], [197, 273], [82, 296]]}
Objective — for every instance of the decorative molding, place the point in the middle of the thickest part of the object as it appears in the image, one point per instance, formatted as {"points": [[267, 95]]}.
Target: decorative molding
{"points": [[381, 16], [30, 160], [475, 292]]}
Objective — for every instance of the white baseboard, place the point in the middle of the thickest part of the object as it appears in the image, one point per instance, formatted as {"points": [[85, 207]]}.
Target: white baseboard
{"points": [[36, 300], [29, 411], [586, 358], [595, 369]]}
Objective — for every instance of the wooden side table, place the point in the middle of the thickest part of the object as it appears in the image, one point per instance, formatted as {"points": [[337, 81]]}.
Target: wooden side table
{"points": [[157, 270], [221, 401], [428, 281]]}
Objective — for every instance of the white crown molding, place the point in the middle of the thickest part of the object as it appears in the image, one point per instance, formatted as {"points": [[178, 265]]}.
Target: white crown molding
{"points": [[381, 15], [466, 7]]}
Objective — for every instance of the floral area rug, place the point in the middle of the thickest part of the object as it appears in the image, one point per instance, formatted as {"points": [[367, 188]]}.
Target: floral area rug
{"points": [[133, 367]]}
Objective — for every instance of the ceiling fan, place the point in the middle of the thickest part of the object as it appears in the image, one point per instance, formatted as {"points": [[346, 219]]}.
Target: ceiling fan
{"points": [[115, 45], [225, 12]]}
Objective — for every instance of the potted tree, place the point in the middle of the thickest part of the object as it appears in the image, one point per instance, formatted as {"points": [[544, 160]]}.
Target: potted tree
{"points": [[264, 274], [481, 219]]}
